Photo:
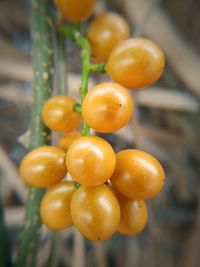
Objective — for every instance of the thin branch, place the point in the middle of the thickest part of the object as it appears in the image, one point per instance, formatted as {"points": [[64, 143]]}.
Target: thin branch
{"points": [[85, 54], [73, 31]]}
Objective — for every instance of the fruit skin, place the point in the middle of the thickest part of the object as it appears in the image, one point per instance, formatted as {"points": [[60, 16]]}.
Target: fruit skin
{"points": [[75, 10], [105, 32], [138, 175], [58, 114], [95, 212], [136, 63], [43, 166], [107, 107], [133, 215], [91, 160], [66, 140], [55, 208]]}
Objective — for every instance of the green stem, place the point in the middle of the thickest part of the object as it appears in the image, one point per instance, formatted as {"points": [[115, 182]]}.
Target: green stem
{"points": [[77, 184], [42, 56], [77, 107], [101, 68], [55, 250], [5, 257], [73, 32], [85, 55]]}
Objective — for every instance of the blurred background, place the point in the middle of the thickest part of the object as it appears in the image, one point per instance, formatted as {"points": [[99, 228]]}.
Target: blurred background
{"points": [[166, 124]]}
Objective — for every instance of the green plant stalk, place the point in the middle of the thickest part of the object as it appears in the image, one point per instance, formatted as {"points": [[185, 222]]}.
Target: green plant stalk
{"points": [[85, 55], [77, 108], [101, 68], [54, 255], [42, 56], [73, 32], [5, 257]]}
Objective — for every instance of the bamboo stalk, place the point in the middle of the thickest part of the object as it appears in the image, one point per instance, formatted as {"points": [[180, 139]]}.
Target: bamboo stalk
{"points": [[42, 56]]}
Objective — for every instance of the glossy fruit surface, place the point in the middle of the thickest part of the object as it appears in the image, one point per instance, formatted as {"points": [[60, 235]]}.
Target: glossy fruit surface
{"points": [[58, 114], [75, 10], [105, 32], [133, 215], [136, 63], [107, 107], [95, 212], [55, 208], [138, 175], [66, 140], [43, 166], [91, 160]]}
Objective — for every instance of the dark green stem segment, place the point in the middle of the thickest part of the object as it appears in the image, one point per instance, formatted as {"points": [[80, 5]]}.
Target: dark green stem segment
{"points": [[42, 56], [54, 255], [5, 256], [77, 184], [101, 68], [77, 108]]}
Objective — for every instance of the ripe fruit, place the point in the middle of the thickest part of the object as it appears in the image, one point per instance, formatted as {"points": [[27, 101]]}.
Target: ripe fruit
{"points": [[136, 63], [75, 10], [58, 114], [67, 139], [91, 160], [105, 32], [55, 208], [133, 215], [107, 107], [138, 175], [95, 212], [43, 166]]}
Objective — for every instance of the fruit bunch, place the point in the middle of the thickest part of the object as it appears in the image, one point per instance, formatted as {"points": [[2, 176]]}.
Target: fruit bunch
{"points": [[107, 191]]}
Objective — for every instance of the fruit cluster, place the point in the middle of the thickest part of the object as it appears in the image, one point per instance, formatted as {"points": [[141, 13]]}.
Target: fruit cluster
{"points": [[107, 190]]}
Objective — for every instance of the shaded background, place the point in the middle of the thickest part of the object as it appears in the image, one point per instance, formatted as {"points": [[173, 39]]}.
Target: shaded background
{"points": [[166, 124]]}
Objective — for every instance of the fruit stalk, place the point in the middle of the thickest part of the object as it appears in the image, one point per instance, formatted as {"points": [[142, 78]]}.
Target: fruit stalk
{"points": [[85, 55], [42, 56], [73, 31]]}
